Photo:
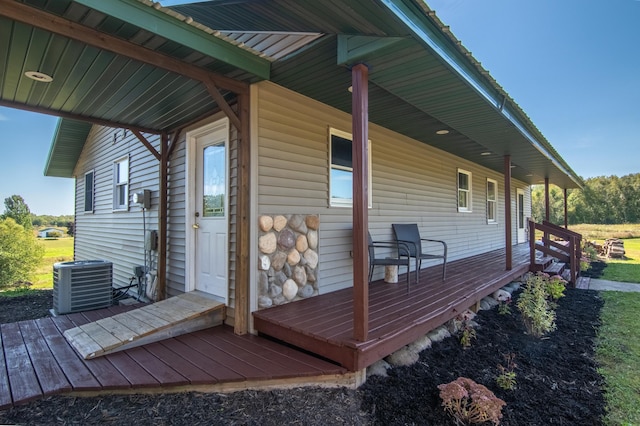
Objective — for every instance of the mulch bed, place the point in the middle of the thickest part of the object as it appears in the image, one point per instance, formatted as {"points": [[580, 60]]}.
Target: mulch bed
{"points": [[557, 384]]}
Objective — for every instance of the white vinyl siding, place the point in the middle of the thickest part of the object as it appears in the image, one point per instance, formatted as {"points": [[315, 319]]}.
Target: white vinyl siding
{"points": [[492, 201], [117, 237], [414, 183]]}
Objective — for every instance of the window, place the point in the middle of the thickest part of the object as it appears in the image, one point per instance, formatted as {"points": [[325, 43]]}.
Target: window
{"points": [[121, 184], [341, 173], [88, 192], [492, 201], [464, 191]]}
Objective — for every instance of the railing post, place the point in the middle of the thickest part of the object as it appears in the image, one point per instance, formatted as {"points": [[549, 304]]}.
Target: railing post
{"points": [[572, 257], [532, 243]]}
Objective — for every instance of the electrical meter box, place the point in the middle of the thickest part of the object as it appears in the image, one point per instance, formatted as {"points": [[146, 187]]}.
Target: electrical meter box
{"points": [[151, 240]]}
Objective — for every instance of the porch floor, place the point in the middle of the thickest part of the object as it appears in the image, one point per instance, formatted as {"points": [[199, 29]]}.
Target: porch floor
{"points": [[36, 360], [324, 324]]}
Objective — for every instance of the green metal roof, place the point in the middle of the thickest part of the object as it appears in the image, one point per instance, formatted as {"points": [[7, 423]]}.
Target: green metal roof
{"points": [[65, 149], [421, 77]]}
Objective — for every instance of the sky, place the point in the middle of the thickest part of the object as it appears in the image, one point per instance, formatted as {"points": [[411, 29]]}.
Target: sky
{"points": [[573, 66]]}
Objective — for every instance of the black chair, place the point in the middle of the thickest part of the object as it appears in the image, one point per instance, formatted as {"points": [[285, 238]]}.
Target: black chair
{"points": [[409, 234], [400, 248]]}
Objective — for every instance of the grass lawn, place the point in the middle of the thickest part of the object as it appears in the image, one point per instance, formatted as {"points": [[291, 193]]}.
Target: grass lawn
{"points": [[627, 269], [60, 250], [618, 353]]}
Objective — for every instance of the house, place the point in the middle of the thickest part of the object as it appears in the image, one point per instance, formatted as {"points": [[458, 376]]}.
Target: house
{"points": [[243, 149], [48, 232]]}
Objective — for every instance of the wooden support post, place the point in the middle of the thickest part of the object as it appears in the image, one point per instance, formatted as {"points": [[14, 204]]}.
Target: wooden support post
{"points": [[507, 214], [162, 217], [241, 324], [566, 210], [360, 154], [547, 213]]}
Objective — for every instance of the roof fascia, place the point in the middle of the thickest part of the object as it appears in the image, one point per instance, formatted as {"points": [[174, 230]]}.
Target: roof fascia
{"points": [[352, 49], [162, 24], [61, 128], [426, 32]]}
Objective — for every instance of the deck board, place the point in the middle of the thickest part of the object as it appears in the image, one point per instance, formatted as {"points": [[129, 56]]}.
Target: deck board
{"points": [[397, 314], [5, 388], [22, 375]]}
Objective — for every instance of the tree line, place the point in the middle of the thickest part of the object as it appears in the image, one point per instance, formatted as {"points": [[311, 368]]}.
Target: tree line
{"points": [[603, 200]]}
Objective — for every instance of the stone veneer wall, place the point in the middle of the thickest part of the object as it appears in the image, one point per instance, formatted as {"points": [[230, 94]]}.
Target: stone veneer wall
{"points": [[288, 259]]}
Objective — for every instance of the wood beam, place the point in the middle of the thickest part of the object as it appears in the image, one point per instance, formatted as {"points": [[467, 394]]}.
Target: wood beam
{"points": [[508, 226], [174, 141], [222, 103], [146, 143], [162, 217], [63, 114], [360, 161], [58, 25], [241, 325]]}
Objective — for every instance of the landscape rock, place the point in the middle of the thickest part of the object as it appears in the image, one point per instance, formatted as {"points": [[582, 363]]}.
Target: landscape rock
{"points": [[267, 243], [266, 223], [279, 222], [378, 368], [403, 357], [438, 334], [289, 289], [313, 222]]}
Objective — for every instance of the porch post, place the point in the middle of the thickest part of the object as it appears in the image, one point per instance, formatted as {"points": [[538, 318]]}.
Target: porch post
{"points": [[360, 153], [241, 325], [507, 213], [546, 199], [566, 210], [162, 217]]}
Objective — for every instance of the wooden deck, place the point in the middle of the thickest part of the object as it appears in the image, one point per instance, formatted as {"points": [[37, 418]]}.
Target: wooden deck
{"points": [[36, 360], [324, 324]]}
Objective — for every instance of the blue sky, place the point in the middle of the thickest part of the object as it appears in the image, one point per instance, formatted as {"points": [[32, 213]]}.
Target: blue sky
{"points": [[572, 65]]}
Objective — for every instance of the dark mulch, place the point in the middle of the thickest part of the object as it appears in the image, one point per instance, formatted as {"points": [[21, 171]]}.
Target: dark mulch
{"points": [[596, 269], [34, 304], [557, 384]]}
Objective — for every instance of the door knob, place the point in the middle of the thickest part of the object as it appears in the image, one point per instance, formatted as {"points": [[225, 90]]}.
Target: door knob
{"points": [[196, 226]]}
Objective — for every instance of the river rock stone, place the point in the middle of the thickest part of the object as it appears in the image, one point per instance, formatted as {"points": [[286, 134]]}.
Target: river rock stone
{"points": [[293, 258], [501, 295], [264, 263], [306, 291], [438, 334], [313, 222], [421, 344], [267, 243], [278, 260], [312, 258], [263, 282], [312, 238], [279, 300], [264, 302], [403, 357], [286, 239], [275, 291], [301, 243], [311, 274], [266, 223], [299, 275], [279, 222], [297, 223], [378, 369], [281, 277], [289, 289]]}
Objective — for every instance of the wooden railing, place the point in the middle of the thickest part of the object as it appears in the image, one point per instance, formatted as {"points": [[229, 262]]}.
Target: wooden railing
{"points": [[559, 243]]}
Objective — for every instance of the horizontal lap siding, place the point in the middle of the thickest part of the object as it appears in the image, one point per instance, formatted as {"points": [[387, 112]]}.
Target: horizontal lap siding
{"points": [[117, 237], [411, 182]]}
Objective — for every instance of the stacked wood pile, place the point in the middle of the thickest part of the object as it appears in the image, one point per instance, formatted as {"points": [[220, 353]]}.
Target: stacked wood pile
{"points": [[614, 247]]}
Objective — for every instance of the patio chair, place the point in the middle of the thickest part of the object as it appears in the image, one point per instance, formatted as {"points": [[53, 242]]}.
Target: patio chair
{"points": [[409, 234], [401, 249]]}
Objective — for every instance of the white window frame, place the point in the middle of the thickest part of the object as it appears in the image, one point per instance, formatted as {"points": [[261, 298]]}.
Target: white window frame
{"points": [[492, 204], [343, 202], [466, 191], [119, 182], [91, 191]]}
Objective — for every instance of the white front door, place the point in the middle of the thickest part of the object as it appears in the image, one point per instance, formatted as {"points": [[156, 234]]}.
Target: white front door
{"points": [[211, 212], [520, 218]]}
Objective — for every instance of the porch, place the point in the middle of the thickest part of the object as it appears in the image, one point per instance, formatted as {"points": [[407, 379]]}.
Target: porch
{"points": [[324, 324], [36, 360]]}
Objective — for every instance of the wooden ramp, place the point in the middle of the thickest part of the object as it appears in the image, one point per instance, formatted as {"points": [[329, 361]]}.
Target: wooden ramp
{"points": [[175, 316]]}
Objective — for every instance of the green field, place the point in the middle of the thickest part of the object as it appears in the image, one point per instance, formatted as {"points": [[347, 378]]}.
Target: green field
{"points": [[56, 250]]}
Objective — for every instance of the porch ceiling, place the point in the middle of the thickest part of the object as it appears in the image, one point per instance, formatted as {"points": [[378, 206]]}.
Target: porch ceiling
{"points": [[421, 78]]}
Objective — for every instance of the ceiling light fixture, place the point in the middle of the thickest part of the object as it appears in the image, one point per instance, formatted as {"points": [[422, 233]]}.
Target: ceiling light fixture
{"points": [[39, 76], [442, 132], [485, 153]]}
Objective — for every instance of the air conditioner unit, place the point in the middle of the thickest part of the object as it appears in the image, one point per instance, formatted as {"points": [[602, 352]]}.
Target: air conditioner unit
{"points": [[82, 285]]}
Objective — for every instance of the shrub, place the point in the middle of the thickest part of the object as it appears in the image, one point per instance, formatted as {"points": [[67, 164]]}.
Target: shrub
{"points": [[469, 402], [555, 286], [20, 253], [537, 314], [507, 377], [467, 335]]}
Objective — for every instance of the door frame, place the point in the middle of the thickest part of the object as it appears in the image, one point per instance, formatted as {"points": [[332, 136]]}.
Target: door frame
{"points": [[190, 207]]}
